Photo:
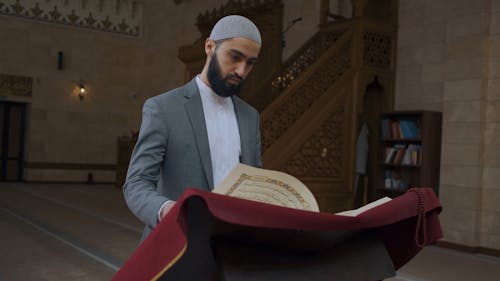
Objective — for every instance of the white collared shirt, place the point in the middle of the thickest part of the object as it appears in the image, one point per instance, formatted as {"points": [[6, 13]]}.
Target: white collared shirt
{"points": [[222, 129]]}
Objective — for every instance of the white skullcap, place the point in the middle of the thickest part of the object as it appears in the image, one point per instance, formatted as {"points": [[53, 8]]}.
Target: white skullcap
{"points": [[235, 26]]}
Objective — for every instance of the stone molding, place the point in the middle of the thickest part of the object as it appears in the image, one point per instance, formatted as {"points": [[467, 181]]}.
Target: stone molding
{"points": [[116, 16], [12, 85]]}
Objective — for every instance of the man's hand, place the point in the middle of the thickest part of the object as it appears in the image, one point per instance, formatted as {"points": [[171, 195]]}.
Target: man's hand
{"points": [[166, 208]]}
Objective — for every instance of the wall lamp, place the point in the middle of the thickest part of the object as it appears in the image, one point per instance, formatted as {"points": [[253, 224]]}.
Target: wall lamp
{"points": [[81, 90]]}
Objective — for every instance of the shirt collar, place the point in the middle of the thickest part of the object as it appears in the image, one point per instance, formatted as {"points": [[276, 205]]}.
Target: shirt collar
{"points": [[207, 92]]}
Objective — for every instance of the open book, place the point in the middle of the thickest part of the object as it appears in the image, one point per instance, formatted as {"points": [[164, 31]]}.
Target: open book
{"points": [[362, 209], [267, 186], [276, 188]]}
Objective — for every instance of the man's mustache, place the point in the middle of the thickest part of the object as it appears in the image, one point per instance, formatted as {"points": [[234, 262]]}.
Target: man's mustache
{"points": [[235, 76]]}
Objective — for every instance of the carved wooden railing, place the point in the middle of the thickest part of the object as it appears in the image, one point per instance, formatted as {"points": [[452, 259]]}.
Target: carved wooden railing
{"points": [[313, 83], [318, 65], [296, 64]]}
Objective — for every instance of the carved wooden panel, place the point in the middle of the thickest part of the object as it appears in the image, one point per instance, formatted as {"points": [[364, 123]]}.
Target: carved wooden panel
{"points": [[307, 56], [301, 99], [330, 193], [321, 155], [16, 85], [377, 49]]}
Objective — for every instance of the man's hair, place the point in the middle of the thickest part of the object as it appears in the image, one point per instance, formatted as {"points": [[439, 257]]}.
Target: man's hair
{"points": [[219, 42]]}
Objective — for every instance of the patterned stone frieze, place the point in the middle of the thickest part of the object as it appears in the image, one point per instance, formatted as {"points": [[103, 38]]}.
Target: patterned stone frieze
{"points": [[117, 16], [15, 85]]}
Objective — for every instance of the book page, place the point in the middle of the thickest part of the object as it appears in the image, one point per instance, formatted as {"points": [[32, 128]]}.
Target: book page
{"points": [[267, 186], [355, 212]]}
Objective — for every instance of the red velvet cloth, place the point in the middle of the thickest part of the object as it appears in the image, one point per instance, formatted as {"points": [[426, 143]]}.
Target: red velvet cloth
{"points": [[404, 224]]}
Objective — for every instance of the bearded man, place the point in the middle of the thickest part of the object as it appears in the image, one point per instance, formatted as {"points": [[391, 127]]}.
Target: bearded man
{"points": [[193, 136]]}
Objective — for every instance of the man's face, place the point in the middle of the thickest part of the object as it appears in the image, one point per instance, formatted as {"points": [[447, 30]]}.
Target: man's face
{"points": [[230, 64]]}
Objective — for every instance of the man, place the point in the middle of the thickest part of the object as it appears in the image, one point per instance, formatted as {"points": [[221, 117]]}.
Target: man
{"points": [[193, 136]]}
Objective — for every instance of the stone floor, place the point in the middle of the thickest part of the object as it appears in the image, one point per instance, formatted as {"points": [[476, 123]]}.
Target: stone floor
{"points": [[439, 264], [85, 232], [64, 232]]}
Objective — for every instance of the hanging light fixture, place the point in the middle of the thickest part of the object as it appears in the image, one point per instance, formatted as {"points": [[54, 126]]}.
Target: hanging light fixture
{"points": [[81, 90]]}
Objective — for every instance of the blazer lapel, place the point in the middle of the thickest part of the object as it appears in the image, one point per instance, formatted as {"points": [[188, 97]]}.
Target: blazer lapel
{"points": [[243, 130], [194, 109]]}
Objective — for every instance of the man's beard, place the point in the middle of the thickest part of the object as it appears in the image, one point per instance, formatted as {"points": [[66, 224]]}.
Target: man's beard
{"points": [[219, 84]]}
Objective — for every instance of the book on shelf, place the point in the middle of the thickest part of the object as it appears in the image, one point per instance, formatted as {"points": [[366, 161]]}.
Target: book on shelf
{"points": [[409, 129], [413, 155], [275, 188], [400, 154], [394, 181], [395, 134], [400, 129], [389, 154]]}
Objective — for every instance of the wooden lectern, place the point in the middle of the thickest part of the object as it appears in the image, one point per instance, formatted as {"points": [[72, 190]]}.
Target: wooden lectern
{"points": [[208, 236]]}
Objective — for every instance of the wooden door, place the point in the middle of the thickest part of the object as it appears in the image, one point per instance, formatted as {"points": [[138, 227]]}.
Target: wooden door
{"points": [[12, 136]]}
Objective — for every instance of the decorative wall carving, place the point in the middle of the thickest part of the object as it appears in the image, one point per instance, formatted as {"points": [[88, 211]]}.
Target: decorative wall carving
{"points": [[377, 49], [16, 85], [302, 98], [321, 155], [117, 16]]}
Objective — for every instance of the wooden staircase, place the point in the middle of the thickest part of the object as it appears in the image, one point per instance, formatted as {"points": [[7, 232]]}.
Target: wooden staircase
{"points": [[311, 114]]}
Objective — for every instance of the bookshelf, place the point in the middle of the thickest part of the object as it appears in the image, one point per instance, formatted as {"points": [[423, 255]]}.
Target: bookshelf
{"points": [[409, 152]]}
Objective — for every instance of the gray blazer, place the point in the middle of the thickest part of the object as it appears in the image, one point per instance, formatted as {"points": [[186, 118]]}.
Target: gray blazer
{"points": [[172, 151]]}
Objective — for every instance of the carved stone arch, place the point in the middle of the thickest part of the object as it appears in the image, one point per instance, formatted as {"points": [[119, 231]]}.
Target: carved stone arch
{"points": [[267, 15]]}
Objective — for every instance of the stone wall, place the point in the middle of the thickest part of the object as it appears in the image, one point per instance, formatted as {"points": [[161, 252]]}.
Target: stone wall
{"points": [[119, 73], [62, 128], [448, 61]]}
